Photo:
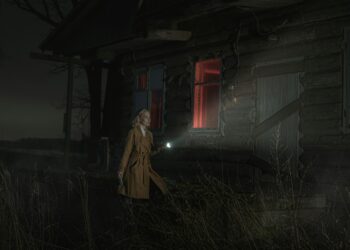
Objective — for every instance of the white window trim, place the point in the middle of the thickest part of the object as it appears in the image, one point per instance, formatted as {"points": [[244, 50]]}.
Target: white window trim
{"points": [[205, 131]]}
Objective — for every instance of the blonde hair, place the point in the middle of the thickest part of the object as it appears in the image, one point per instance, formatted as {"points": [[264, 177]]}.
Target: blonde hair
{"points": [[137, 119]]}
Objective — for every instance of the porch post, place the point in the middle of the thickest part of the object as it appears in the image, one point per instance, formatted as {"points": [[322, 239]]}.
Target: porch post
{"points": [[68, 114]]}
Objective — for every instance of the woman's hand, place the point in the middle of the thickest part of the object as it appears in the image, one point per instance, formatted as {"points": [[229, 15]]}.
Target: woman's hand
{"points": [[158, 150]]}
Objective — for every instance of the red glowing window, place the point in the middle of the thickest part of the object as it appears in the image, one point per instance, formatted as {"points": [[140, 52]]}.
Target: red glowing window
{"points": [[149, 94], [142, 81], [207, 94]]}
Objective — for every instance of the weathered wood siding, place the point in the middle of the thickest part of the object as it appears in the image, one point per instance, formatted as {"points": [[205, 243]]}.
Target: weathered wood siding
{"points": [[305, 39]]}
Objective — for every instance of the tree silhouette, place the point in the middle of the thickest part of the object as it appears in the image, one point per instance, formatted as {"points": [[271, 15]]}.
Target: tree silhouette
{"points": [[53, 12]]}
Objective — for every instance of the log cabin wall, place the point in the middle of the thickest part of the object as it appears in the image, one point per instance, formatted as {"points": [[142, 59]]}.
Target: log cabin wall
{"points": [[305, 39]]}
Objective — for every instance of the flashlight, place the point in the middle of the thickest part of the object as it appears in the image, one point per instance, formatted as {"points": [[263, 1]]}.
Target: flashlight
{"points": [[168, 145]]}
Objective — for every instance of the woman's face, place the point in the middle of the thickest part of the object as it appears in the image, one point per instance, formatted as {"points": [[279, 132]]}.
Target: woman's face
{"points": [[145, 119]]}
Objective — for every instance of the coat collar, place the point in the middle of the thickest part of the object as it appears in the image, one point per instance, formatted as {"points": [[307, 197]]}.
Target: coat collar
{"points": [[140, 131]]}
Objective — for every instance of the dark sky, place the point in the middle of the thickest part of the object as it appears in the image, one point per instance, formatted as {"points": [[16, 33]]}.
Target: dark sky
{"points": [[29, 91]]}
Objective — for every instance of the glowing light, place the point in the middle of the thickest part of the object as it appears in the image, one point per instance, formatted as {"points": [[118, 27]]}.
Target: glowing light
{"points": [[168, 145]]}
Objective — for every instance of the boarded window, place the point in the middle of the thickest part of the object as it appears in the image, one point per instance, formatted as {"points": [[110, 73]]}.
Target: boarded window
{"points": [[346, 108], [281, 124], [149, 92], [206, 97]]}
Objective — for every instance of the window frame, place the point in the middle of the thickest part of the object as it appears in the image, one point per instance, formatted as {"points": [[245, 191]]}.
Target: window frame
{"points": [[206, 131], [346, 82], [147, 69]]}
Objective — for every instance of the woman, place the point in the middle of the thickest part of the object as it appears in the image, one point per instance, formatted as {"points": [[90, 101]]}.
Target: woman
{"points": [[135, 171]]}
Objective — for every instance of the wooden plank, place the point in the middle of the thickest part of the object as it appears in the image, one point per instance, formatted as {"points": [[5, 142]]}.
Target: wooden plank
{"points": [[321, 79], [279, 69], [291, 37], [331, 62], [244, 103], [322, 112], [60, 59], [314, 48], [241, 102], [287, 37], [336, 140], [307, 140], [68, 114], [239, 111], [169, 35], [346, 80], [322, 96], [320, 12], [237, 142], [232, 117], [321, 127], [242, 75], [169, 50], [266, 4], [243, 89], [280, 115]]}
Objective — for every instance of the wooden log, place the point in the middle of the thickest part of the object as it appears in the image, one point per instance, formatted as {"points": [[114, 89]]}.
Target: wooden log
{"points": [[244, 89], [243, 74], [169, 35], [322, 96], [335, 140], [279, 69], [322, 79], [273, 120], [238, 128], [322, 112], [323, 11], [237, 142], [290, 39], [331, 62], [314, 48], [321, 127], [326, 142], [244, 103]]}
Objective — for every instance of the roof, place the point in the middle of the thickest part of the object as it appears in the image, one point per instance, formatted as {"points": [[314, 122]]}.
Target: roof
{"points": [[101, 23]]}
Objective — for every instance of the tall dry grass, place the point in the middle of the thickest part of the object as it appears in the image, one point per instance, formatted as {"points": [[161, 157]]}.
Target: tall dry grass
{"points": [[205, 213], [208, 214]]}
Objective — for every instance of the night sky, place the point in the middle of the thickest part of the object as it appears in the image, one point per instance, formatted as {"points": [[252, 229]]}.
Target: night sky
{"points": [[29, 91]]}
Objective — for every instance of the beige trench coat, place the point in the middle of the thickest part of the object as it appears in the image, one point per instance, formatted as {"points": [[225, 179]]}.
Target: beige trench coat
{"points": [[136, 166]]}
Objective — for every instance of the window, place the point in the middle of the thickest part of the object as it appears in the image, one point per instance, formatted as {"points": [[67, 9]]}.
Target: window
{"points": [[149, 94], [206, 92], [346, 102]]}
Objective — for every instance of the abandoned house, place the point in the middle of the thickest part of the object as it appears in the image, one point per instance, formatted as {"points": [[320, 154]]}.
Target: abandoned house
{"points": [[237, 76]]}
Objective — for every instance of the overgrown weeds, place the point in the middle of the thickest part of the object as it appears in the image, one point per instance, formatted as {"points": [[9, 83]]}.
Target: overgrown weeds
{"points": [[280, 214], [205, 213]]}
